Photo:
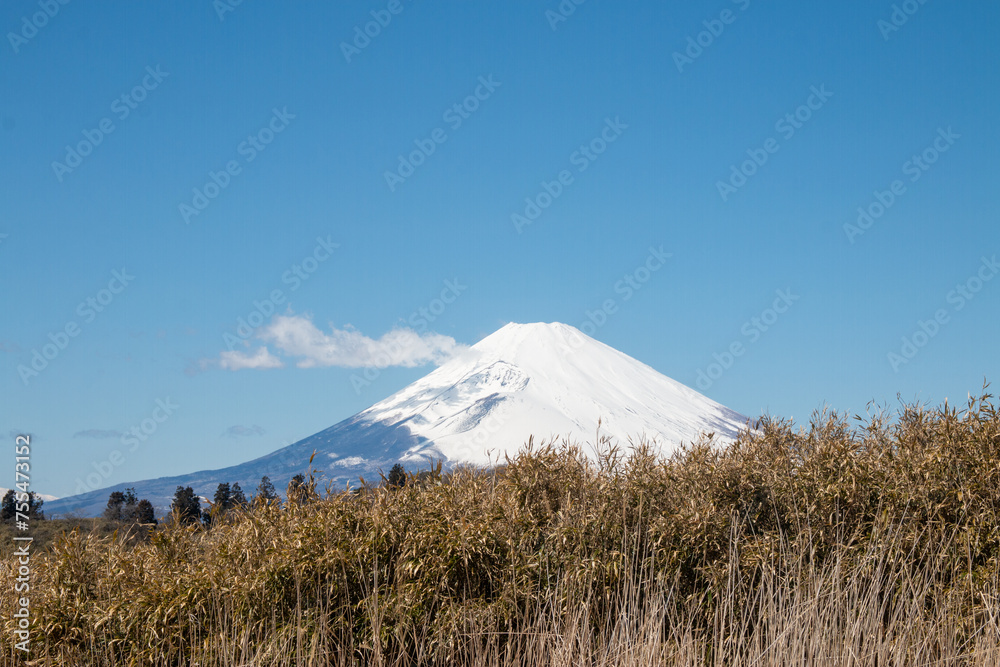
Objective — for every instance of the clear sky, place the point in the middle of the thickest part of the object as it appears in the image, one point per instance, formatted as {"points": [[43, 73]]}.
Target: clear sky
{"points": [[171, 168]]}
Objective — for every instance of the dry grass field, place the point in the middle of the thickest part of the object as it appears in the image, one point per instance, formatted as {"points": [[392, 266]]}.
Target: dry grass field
{"points": [[847, 542]]}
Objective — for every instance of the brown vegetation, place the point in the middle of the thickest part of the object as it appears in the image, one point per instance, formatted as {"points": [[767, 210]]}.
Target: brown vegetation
{"points": [[833, 545]]}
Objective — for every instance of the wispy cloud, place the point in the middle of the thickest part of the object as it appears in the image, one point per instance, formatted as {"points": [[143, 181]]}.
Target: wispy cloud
{"points": [[234, 360], [296, 337], [98, 433], [240, 431]]}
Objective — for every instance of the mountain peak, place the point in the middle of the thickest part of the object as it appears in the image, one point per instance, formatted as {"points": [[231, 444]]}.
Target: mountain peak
{"points": [[552, 335], [513, 326], [517, 330]]}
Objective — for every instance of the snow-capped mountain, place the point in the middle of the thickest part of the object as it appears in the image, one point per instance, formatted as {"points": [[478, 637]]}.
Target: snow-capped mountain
{"points": [[549, 381], [546, 380]]}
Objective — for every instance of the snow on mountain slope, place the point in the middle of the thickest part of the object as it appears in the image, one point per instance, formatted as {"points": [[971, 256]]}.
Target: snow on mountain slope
{"points": [[544, 380], [43, 496]]}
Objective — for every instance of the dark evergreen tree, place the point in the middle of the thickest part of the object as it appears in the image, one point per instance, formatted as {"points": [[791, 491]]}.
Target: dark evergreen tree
{"points": [[186, 505], [9, 506], [265, 491], [297, 491], [113, 512], [144, 512], [397, 476], [223, 497], [123, 506], [129, 505], [237, 497], [35, 506], [223, 501]]}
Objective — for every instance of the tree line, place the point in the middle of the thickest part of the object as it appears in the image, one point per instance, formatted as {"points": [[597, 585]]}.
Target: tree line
{"points": [[186, 505]]}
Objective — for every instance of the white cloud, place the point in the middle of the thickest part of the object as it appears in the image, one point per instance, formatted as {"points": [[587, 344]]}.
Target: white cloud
{"points": [[297, 336], [243, 431], [234, 360]]}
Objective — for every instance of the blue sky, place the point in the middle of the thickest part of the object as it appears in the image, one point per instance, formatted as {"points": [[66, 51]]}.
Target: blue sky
{"points": [[117, 119]]}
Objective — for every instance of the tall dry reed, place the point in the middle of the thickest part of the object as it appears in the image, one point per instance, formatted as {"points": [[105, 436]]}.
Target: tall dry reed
{"points": [[876, 544]]}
